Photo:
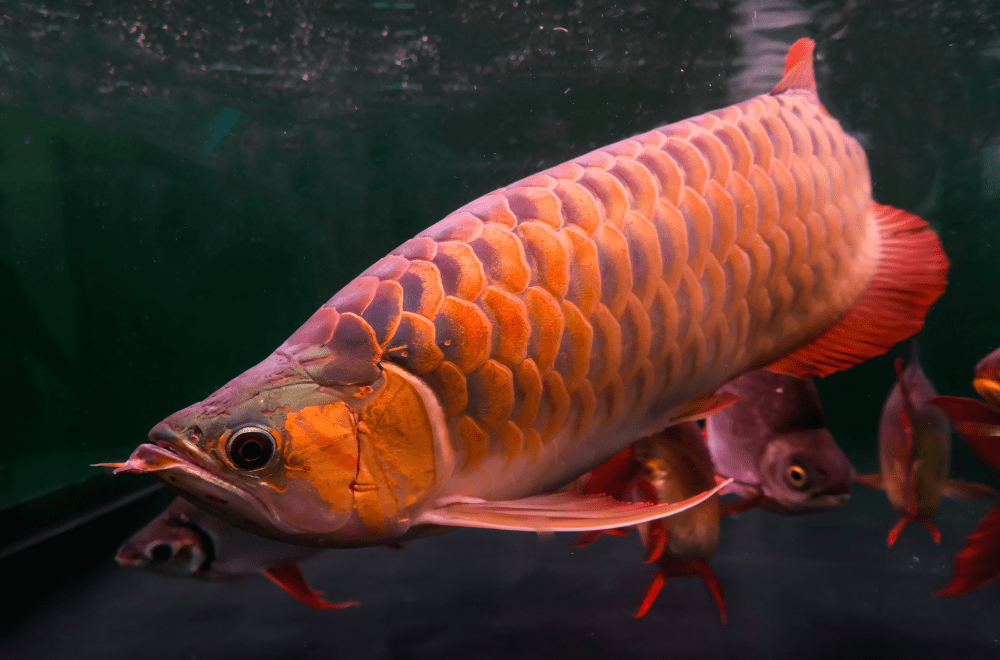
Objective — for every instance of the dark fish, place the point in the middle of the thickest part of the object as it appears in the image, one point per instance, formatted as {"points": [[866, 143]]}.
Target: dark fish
{"points": [[915, 451], [185, 541], [775, 444]]}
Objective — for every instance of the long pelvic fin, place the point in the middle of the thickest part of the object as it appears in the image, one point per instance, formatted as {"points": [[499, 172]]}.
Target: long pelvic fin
{"points": [[911, 274], [556, 512], [289, 577], [979, 561]]}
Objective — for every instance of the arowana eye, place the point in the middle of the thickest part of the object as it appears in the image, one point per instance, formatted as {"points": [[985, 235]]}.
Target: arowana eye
{"points": [[797, 476], [250, 448]]}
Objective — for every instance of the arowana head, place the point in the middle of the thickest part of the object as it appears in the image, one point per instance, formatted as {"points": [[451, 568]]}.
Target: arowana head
{"points": [[311, 446]]}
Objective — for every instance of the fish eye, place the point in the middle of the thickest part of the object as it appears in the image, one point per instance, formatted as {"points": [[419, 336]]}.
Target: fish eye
{"points": [[161, 552], [250, 448], [797, 476]]}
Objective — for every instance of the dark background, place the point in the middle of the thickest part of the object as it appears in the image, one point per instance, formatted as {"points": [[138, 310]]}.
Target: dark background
{"points": [[183, 183]]}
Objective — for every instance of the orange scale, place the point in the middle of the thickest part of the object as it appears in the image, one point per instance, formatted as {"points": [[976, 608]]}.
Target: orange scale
{"points": [[781, 252], [512, 440], [714, 292], [804, 186], [667, 174], [761, 263], [491, 209], [819, 238], [698, 223], [583, 403], [463, 333], [639, 184], [778, 136], [759, 142], [606, 348], [663, 322], [671, 234], [527, 394], [423, 291], [565, 171], [461, 226], [448, 383], [540, 180], [421, 248], [555, 402], [691, 162], [650, 140], [535, 204], [644, 255], [508, 315], [548, 255], [706, 122], [573, 359], [625, 149], [546, 322], [745, 205], [584, 288], [784, 186], [491, 393], [503, 258], [533, 446], [579, 208], [462, 273], [611, 401], [723, 218], [767, 200], [474, 441], [610, 194], [716, 156], [600, 159], [615, 268], [412, 345], [738, 270], [681, 130], [737, 148], [635, 338], [801, 141], [356, 295], [384, 311], [823, 187]]}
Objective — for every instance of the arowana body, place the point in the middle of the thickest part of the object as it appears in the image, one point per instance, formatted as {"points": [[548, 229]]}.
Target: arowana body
{"points": [[541, 329]]}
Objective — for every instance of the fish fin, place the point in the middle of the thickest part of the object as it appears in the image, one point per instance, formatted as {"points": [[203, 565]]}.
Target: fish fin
{"points": [[966, 490], [871, 480], [656, 541], [702, 407], [978, 423], [932, 528], [614, 476], [732, 508], [652, 591], [896, 530], [712, 582], [587, 538], [289, 577], [911, 274], [906, 417], [798, 73], [979, 561], [564, 511]]}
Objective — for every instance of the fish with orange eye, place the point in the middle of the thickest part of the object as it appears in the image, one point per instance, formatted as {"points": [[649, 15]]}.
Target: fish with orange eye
{"points": [[667, 467], [915, 452], [185, 541], [775, 444], [535, 332], [978, 563]]}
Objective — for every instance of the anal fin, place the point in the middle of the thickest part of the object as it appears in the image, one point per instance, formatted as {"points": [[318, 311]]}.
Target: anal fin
{"points": [[289, 577], [911, 274]]}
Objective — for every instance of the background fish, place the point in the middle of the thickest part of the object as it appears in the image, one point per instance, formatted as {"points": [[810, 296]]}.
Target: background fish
{"points": [[539, 330], [978, 563], [915, 452], [185, 541], [775, 444]]}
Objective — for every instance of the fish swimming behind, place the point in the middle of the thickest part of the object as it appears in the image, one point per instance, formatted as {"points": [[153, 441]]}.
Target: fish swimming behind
{"points": [[539, 330], [185, 541], [774, 443], [978, 563], [915, 452]]}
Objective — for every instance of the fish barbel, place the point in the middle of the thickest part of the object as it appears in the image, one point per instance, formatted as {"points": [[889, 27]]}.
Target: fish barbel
{"points": [[542, 328]]}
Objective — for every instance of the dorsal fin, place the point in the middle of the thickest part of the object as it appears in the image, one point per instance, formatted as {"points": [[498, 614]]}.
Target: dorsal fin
{"points": [[798, 73]]}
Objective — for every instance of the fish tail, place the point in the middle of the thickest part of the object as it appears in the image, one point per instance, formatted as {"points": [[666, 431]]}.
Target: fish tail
{"points": [[911, 274]]}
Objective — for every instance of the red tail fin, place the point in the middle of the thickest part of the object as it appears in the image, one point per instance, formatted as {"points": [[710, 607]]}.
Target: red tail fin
{"points": [[979, 561]]}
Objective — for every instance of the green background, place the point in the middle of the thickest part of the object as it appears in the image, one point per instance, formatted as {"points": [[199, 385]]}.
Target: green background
{"points": [[181, 186]]}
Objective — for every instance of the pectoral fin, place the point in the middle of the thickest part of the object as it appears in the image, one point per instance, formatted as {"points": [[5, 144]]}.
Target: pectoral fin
{"points": [[290, 578], [555, 512], [977, 422], [703, 407], [871, 480], [966, 490]]}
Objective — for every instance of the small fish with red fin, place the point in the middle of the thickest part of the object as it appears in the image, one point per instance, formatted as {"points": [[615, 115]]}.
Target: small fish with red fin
{"points": [[775, 444], [978, 563], [915, 452], [185, 541], [664, 468]]}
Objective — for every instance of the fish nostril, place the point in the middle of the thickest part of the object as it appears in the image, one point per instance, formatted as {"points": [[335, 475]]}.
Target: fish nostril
{"points": [[162, 434], [161, 552]]}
